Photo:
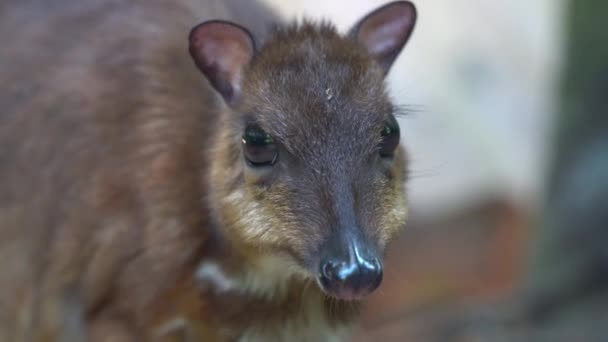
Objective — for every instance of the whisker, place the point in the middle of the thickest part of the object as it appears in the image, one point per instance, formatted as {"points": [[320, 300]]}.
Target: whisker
{"points": [[404, 110]]}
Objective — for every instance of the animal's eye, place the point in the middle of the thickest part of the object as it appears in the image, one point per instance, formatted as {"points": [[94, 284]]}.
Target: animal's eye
{"points": [[258, 147], [390, 138]]}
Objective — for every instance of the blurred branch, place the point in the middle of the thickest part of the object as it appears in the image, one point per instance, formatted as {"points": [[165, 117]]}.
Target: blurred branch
{"points": [[569, 273]]}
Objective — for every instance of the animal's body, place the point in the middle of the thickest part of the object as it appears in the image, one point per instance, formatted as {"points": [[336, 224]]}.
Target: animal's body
{"points": [[137, 201]]}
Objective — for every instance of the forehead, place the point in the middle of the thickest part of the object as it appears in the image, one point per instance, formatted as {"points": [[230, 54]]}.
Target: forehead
{"points": [[310, 87]]}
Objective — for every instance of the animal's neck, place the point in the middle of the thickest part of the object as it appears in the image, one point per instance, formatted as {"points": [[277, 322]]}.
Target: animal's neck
{"points": [[274, 304]]}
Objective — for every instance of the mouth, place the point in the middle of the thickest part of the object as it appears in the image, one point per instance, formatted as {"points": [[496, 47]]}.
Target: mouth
{"points": [[345, 293]]}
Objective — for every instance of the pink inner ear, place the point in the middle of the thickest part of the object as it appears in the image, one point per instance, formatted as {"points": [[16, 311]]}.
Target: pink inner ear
{"points": [[228, 56], [225, 45], [221, 50], [383, 37], [385, 31]]}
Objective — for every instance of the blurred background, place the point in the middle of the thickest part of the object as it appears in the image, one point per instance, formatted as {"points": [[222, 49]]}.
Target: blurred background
{"points": [[508, 136]]}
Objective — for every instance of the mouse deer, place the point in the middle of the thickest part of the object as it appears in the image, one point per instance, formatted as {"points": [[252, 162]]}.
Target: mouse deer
{"points": [[163, 182]]}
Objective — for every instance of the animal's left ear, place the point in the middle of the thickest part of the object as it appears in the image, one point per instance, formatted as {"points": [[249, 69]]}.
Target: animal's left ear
{"points": [[385, 31]]}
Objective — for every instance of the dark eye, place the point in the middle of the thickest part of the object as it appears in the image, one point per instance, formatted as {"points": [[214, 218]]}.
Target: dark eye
{"points": [[258, 147], [390, 138]]}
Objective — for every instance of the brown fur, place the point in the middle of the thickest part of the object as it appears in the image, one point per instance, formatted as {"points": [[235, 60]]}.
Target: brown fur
{"points": [[115, 184]]}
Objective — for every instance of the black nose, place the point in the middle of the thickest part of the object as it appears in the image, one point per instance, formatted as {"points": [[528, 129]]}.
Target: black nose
{"points": [[352, 278]]}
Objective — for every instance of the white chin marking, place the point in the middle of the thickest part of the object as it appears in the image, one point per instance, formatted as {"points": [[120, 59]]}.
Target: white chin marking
{"points": [[173, 326], [211, 273]]}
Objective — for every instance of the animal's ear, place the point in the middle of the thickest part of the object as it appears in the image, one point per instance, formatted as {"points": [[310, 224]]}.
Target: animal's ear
{"points": [[385, 31], [221, 50]]}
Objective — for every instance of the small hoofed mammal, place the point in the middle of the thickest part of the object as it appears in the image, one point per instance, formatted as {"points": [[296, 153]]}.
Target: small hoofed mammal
{"points": [[217, 186]]}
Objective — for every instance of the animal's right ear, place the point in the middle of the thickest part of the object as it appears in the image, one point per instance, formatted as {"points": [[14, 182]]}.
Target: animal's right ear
{"points": [[221, 50]]}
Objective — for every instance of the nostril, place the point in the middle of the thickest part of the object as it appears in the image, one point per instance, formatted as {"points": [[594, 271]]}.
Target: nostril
{"points": [[371, 273], [328, 270], [373, 266], [338, 271]]}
